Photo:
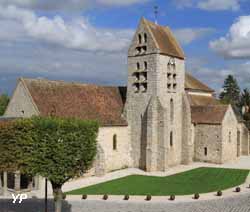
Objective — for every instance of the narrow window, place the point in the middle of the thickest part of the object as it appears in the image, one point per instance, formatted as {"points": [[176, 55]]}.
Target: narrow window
{"points": [[138, 66], [139, 38], [205, 151], [145, 38], [171, 110], [229, 137], [145, 65], [114, 142], [171, 139]]}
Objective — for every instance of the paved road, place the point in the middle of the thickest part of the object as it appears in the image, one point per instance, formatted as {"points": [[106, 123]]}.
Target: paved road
{"points": [[240, 203]]}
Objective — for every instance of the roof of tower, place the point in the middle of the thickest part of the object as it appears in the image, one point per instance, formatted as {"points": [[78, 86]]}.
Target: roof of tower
{"points": [[191, 83], [74, 100], [165, 40], [212, 114]]}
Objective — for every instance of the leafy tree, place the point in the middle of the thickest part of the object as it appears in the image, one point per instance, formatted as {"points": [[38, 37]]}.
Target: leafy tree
{"points": [[57, 149], [245, 103], [4, 100], [231, 91]]}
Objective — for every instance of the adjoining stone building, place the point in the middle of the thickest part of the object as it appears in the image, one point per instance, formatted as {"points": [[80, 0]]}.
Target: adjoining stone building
{"points": [[163, 118]]}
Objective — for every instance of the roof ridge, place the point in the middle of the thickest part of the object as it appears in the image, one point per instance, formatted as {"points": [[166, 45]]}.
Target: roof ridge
{"points": [[70, 83]]}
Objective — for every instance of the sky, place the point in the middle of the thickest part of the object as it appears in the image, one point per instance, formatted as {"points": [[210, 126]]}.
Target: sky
{"points": [[87, 40]]}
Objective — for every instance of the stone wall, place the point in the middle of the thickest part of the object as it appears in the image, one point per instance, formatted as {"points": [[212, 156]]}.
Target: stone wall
{"points": [[114, 159], [21, 104], [230, 148], [187, 133], [244, 139], [209, 137]]}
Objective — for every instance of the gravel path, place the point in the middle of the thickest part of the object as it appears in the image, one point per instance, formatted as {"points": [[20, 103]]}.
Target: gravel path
{"points": [[240, 203]]}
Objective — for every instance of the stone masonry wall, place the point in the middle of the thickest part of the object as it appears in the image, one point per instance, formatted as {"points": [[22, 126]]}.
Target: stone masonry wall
{"points": [[229, 137], [119, 158], [188, 133], [210, 137]]}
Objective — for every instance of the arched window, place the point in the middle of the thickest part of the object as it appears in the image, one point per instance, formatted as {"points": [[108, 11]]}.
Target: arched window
{"points": [[145, 38], [171, 139], [138, 66], [114, 142], [171, 110], [139, 38], [205, 151], [145, 65]]}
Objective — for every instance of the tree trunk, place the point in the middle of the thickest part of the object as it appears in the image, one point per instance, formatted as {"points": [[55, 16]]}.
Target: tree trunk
{"points": [[58, 197]]}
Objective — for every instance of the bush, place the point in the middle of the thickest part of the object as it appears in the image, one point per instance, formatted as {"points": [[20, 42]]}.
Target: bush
{"points": [[105, 197], [126, 197], [219, 193], [84, 196], [237, 189], [148, 197], [196, 196], [172, 197]]}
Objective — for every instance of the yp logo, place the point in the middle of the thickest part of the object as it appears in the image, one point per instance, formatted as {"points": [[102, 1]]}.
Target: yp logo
{"points": [[21, 197]]}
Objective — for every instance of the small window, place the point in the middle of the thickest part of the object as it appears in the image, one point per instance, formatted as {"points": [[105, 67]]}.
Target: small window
{"points": [[169, 86], [171, 139], [145, 65], [174, 76], [229, 137], [145, 38], [114, 142], [139, 38], [205, 151], [174, 86]]}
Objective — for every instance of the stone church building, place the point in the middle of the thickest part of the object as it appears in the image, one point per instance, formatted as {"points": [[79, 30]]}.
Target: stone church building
{"points": [[163, 118]]}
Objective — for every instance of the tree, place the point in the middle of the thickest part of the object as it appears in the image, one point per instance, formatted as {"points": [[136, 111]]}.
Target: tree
{"points": [[245, 104], [231, 91], [57, 149], [4, 100]]}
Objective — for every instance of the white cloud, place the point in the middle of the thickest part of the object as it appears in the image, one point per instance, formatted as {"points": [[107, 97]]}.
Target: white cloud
{"points": [[75, 34], [211, 5], [236, 44], [188, 35]]}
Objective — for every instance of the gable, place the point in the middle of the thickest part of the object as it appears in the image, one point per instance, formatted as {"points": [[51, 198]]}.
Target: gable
{"points": [[21, 104]]}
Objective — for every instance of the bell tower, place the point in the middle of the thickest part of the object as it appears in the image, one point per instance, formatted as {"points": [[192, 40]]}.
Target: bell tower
{"points": [[154, 97]]}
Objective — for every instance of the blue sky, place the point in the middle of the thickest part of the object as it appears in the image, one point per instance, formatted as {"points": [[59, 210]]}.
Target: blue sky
{"points": [[87, 40]]}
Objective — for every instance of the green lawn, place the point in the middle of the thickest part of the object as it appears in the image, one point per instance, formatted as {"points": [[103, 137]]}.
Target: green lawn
{"points": [[201, 180]]}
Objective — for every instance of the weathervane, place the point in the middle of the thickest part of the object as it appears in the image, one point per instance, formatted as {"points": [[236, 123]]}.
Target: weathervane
{"points": [[156, 13]]}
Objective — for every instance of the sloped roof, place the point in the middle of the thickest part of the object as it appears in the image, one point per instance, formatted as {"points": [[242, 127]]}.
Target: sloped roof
{"points": [[165, 40], [89, 102], [213, 114], [199, 100], [192, 83]]}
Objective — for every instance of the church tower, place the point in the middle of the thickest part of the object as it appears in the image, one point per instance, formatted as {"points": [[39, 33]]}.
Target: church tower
{"points": [[156, 72]]}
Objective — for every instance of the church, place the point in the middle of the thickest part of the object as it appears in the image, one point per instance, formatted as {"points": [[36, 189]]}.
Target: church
{"points": [[163, 118]]}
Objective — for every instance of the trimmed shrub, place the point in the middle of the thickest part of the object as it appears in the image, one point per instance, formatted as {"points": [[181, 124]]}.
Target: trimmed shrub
{"points": [[196, 196], [219, 193], [126, 197], [148, 197], [105, 197], [172, 197], [84, 196], [237, 189]]}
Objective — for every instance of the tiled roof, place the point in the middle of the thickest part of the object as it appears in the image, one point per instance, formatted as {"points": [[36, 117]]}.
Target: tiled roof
{"points": [[208, 114], [89, 102], [199, 100], [165, 40], [192, 83]]}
